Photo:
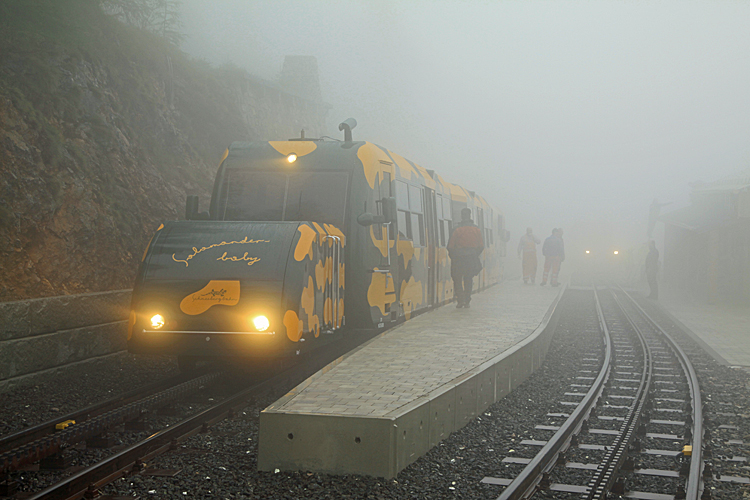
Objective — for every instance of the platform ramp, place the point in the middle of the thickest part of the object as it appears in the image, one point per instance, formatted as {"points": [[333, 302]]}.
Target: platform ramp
{"points": [[382, 406]]}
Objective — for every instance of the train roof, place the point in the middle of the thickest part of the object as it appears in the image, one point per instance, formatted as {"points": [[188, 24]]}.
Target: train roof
{"points": [[328, 154]]}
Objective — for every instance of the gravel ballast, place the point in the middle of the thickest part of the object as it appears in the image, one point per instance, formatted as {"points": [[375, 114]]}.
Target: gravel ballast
{"points": [[222, 463]]}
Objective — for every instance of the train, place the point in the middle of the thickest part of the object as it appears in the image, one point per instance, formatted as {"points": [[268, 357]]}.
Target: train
{"points": [[304, 240]]}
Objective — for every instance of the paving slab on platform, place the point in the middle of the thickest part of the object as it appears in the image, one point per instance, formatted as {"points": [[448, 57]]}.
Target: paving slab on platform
{"points": [[380, 407], [724, 330]]}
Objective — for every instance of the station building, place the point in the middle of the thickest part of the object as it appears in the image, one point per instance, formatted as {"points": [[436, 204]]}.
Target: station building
{"points": [[707, 244]]}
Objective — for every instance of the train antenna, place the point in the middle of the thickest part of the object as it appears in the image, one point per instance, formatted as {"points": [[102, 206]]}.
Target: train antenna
{"points": [[347, 126]]}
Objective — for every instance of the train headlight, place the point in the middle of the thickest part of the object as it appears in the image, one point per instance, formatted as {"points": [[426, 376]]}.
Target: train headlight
{"points": [[291, 158], [157, 321], [616, 252], [588, 252], [261, 323]]}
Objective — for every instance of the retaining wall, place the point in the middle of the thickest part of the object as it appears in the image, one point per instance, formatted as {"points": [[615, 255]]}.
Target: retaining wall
{"points": [[51, 333]]}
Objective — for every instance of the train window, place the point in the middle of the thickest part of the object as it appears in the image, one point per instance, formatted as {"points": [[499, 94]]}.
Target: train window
{"points": [[254, 195], [415, 199], [402, 195], [439, 206], [447, 208], [384, 188], [457, 206], [417, 228], [403, 229], [442, 232], [316, 196], [310, 196]]}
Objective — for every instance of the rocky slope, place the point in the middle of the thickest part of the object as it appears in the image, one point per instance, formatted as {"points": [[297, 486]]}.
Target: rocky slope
{"points": [[104, 130]]}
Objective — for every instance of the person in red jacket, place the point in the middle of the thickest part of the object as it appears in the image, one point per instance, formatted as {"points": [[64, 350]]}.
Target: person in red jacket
{"points": [[464, 248]]}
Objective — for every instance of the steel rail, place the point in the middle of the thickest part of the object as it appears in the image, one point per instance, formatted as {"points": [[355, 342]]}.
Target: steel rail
{"points": [[694, 488], [110, 468], [605, 474], [130, 408], [16, 439], [87, 481], [526, 482]]}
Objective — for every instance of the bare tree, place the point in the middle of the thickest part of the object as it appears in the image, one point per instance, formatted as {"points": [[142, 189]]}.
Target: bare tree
{"points": [[161, 17]]}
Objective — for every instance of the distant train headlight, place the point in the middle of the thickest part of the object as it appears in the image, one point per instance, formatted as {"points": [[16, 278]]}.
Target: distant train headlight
{"points": [[157, 321], [588, 251], [616, 252], [261, 323], [291, 158]]}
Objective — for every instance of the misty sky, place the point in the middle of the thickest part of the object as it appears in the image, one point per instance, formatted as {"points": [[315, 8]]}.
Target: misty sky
{"points": [[557, 112]]}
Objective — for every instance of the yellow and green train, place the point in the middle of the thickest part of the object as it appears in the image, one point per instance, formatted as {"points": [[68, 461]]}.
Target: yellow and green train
{"points": [[302, 238]]}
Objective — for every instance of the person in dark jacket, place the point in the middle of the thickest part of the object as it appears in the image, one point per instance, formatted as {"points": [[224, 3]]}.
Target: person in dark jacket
{"points": [[554, 254], [652, 268], [464, 248]]}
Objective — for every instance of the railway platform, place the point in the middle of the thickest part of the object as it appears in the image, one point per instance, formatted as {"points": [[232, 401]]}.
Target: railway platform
{"points": [[723, 330], [380, 407]]}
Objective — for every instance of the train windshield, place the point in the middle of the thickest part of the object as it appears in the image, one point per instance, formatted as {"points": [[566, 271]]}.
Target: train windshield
{"points": [[275, 196]]}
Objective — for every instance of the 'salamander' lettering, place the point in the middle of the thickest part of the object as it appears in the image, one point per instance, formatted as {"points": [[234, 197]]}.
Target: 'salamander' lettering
{"points": [[196, 251]]}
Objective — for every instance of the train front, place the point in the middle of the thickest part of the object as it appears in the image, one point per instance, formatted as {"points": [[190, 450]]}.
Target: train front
{"points": [[258, 276], [212, 288]]}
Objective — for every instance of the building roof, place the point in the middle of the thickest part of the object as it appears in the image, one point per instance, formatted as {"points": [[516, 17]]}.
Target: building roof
{"points": [[698, 217], [735, 182]]}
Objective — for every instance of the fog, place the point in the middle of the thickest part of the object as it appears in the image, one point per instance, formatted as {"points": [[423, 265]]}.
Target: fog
{"points": [[572, 114]]}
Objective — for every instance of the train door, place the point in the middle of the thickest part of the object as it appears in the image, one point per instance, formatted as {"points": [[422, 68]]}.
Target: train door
{"points": [[432, 243], [388, 233]]}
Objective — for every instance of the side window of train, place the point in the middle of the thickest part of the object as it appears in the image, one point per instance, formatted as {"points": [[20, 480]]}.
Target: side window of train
{"points": [[488, 227], [386, 192], [410, 204], [457, 206], [443, 212], [402, 204], [416, 207], [448, 222], [382, 190]]}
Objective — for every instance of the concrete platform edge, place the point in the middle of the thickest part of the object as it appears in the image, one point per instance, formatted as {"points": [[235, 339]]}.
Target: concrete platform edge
{"points": [[383, 446], [704, 345]]}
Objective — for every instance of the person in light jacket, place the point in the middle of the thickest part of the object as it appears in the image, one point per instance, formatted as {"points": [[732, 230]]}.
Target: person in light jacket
{"points": [[527, 254]]}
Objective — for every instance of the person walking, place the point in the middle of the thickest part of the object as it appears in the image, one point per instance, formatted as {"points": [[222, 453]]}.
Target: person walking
{"points": [[554, 254], [464, 248], [527, 254], [652, 268]]}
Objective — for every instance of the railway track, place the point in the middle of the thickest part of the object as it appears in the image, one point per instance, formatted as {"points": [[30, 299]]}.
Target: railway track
{"points": [[43, 440], [643, 393], [84, 482]]}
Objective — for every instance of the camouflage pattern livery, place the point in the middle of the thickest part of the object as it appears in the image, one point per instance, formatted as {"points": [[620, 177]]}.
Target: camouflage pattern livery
{"points": [[281, 241]]}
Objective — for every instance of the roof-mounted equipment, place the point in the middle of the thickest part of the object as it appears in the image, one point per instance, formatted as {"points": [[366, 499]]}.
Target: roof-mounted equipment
{"points": [[347, 126]]}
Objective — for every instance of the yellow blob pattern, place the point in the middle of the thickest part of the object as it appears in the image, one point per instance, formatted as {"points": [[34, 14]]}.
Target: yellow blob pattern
{"points": [[412, 293], [293, 326], [300, 148], [381, 293], [371, 156], [217, 292], [405, 248], [380, 242], [304, 245]]}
